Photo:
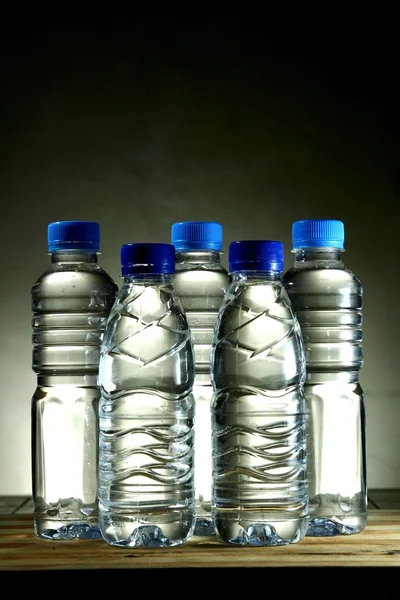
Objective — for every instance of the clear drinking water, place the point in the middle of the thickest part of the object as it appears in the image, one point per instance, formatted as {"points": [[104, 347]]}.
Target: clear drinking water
{"points": [[146, 462], [327, 299], [260, 492], [201, 282], [70, 304]]}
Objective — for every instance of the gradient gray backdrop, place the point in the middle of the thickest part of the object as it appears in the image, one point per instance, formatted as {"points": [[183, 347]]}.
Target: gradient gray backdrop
{"points": [[151, 124]]}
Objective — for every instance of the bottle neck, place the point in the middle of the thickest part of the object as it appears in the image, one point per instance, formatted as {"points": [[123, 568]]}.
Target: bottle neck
{"points": [[256, 276], [73, 256], [304, 255], [198, 256], [148, 279]]}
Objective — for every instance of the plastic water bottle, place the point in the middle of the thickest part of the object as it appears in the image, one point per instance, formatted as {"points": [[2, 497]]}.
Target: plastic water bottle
{"points": [[71, 301], [260, 491], [146, 462], [327, 298], [201, 282]]}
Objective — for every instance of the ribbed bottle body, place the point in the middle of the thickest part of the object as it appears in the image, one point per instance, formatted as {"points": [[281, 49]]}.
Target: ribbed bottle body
{"points": [[201, 282], [327, 299], [70, 305], [146, 415], [260, 492]]}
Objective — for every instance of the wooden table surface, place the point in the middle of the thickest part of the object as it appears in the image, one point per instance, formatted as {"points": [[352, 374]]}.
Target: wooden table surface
{"points": [[377, 546]]}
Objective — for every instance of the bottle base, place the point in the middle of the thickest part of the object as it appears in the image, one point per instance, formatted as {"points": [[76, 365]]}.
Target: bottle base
{"points": [[147, 529], [244, 532], [333, 526], [56, 530]]}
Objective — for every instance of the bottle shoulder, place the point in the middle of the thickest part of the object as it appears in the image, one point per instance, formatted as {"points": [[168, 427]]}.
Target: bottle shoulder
{"points": [[91, 276], [317, 276], [193, 268], [258, 297], [152, 300], [239, 285], [201, 281], [55, 268], [148, 322], [257, 341]]}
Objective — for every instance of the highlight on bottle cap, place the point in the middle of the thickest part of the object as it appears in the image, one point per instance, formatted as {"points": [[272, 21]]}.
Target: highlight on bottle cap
{"points": [[314, 233], [256, 255], [142, 258], [197, 235], [73, 235]]}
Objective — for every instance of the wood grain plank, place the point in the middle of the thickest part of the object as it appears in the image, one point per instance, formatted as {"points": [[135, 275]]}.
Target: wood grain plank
{"points": [[378, 545]]}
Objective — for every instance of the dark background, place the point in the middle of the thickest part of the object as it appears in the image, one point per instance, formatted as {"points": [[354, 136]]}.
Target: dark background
{"points": [[158, 120]]}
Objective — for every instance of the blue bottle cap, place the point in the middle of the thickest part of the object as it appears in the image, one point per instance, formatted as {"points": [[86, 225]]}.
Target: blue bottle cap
{"points": [[196, 235], [73, 235], [148, 257], [312, 233], [256, 255]]}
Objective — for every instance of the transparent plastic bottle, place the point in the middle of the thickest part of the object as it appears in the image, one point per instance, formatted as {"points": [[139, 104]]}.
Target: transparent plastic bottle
{"points": [[201, 282], [146, 414], [327, 299], [260, 491], [71, 301]]}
